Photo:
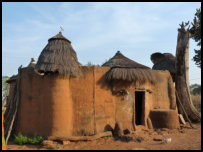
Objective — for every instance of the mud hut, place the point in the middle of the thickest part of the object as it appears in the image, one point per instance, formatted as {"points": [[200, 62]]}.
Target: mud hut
{"points": [[165, 61], [122, 92]]}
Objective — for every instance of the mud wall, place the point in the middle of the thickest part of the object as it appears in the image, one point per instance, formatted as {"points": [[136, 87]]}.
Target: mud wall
{"points": [[55, 105], [11, 91], [164, 92], [83, 102], [105, 103], [45, 106], [93, 103]]}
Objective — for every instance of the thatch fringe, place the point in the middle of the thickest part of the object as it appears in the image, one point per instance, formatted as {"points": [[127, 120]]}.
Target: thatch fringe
{"points": [[133, 74], [58, 56], [123, 68]]}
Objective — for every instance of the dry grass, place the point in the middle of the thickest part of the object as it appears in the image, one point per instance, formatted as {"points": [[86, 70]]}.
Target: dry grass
{"points": [[197, 101]]}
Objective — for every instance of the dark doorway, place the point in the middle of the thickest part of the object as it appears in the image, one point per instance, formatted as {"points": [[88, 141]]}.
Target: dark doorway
{"points": [[139, 98]]}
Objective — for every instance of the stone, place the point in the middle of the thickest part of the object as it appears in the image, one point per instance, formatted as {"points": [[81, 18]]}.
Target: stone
{"points": [[158, 138], [118, 130], [137, 148], [126, 131], [48, 143], [65, 142], [126, 138]]}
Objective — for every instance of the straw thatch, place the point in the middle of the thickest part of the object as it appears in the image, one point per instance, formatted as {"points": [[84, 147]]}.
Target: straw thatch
{"points": [[165, 61], [123, 68], [58, 56], [120, 61]]}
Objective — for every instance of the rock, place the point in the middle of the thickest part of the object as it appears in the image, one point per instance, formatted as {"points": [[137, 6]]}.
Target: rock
{"points": [[126, 131], [182, 131], [48, 143], [159, 138], [164, 129], [118, 130], [66, 142], [139, 139], [126, 138], [167, 140], [137, 148]]}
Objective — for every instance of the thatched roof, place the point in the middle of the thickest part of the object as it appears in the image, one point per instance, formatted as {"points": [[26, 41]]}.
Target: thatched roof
{"points": [[58, 56], [13, 78], [120, 61], [32, 63], [165, 61], [123, 68]]}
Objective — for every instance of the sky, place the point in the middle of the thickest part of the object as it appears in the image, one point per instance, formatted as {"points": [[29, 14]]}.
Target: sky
{"points": [[97, 30]]}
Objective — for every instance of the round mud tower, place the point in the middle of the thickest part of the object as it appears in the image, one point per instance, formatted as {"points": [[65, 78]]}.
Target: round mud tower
{"points": [[163, 118], [62, 107]]}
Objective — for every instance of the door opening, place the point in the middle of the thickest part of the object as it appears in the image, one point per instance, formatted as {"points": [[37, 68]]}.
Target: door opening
{"points": [[139, 106]]}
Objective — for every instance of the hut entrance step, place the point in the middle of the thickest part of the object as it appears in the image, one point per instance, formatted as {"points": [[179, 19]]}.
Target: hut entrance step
{"points": [[139, 107]]}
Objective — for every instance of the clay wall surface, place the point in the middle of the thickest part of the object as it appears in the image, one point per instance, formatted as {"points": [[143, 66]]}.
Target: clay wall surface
{"points": [[56, 105], [45, 106], [105, 104], [125, 105], [164, 92], [83, 104]]}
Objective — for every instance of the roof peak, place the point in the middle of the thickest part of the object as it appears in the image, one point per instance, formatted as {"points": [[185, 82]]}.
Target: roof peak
{"points": [[119, 60], [59, 36]]}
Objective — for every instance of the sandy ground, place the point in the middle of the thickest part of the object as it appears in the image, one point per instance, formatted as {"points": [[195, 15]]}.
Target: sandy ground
{"points": [[184, 138]]}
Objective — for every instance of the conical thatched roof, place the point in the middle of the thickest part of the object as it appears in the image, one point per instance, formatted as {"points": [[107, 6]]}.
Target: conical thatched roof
{"points": [[120, 61], [124, 68], [58, 56], [165, 61]]}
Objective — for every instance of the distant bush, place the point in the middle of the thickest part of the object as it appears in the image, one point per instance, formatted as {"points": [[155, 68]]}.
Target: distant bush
{"points": [[197, 101], [195, 89], [22, 140]]}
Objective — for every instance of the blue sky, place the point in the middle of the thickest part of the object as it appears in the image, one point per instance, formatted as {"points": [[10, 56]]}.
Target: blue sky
{"points": [[96, 30]]}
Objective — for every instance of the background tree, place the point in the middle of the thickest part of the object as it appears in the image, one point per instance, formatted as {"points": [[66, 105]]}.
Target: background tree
{"points": [[5, 88], [195, 89], [197, 38]]}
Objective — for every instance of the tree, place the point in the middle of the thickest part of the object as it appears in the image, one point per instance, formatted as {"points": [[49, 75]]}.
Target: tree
{"points": [[195, 89], [5, 88], [182, 72], [197, 38]]}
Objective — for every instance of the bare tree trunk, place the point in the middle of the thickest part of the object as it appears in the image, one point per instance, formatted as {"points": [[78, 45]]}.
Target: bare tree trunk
{"points": [[182, 54], [187, 63]]}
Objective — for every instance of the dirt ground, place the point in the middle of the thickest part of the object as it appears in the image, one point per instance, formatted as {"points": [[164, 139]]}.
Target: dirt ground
{"points": [[184, 138]]}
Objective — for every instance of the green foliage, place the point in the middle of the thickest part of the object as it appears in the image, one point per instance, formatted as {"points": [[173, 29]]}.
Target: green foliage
{"points": [[5, 87], [197, 38], [22, 140], [195, 89], [89, 64]]}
